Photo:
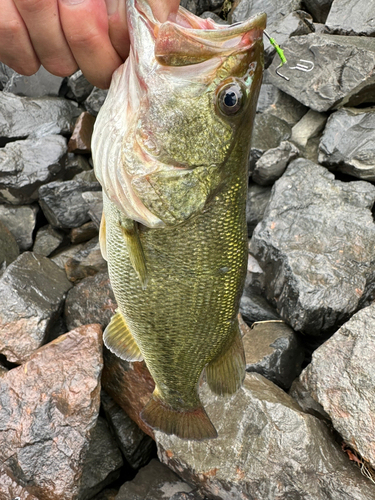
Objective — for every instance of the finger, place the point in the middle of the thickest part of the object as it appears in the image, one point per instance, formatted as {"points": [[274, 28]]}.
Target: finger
{"points": [[118, 28], [16, 50], [162, 10], [85, 25], [43, 24]]}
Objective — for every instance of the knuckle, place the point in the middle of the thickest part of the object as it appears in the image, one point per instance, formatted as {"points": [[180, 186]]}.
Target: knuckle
{"points": [[10, 29], [32, 6]]}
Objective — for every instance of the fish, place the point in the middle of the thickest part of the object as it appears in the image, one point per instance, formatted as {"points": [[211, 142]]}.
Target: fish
{"points": [[170, 149]]}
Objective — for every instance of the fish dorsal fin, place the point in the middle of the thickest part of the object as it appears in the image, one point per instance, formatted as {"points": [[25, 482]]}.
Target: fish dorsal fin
{"points": [[120, 341], [103, 237], [129, 229]]}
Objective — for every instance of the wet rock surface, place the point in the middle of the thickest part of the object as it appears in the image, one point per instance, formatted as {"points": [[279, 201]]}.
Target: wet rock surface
{"points": [[32, 291], [348, 143], [267, 448], [312, 276], [48, 407], [341, 378]]}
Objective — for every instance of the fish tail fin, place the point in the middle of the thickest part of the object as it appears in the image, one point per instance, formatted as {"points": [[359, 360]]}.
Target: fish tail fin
{"points": [[226, 373], [191, 424]]}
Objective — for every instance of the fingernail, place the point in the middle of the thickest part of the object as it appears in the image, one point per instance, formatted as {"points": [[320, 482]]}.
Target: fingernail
{"points": [[72, 2], [112, 6]]}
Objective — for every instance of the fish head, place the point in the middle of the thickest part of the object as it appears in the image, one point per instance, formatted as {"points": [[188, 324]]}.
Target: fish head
{"points": [[187, 97]]}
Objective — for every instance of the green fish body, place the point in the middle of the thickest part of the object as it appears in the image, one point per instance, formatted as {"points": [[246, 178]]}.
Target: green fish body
{"points": [[170, 149]]}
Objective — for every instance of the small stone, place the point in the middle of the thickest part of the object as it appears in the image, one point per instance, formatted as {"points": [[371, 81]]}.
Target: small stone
{"points": [[26, 165], [136, 446], [102, 463], [254, 307], [86, 262], [79, 87], [32, 291], [348, 144], [75, 164], [153, 482], [343, 73], [273, 350], [352, 17], [83, 233], [94, 201], [90, 301], [42, 83], [21, 117], [306, 401], [267, 448], [275, 10], [80, 142], [130, 385], [95, 101], [257, 201], [319, 9], [9, 250], [269, 131], [341, 377], [47, 240], [310, 125], [21, 223], [273, 163], [286, 108], [47, 409], [63, 255], [315, 245], [62, 202]]}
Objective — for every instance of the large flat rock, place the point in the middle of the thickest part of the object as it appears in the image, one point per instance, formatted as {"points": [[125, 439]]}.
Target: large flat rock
{"points": [[315, 245], [48, 407], [341, 377], [267, 448], [352, 17]]}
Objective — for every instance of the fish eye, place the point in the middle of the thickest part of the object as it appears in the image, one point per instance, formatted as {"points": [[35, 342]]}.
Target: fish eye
{"points": [[231, 98]]}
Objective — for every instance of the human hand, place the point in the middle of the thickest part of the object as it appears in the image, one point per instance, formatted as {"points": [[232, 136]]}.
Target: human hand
{"points": [[64, 35]]}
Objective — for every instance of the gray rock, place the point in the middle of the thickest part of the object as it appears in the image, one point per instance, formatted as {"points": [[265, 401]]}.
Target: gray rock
{"points": [[348, 143], [26, 165], [273, 163], [273, 350], [153, 482], [310, 125], [269, 131], [94, 202], [316, 274], [95, 100], [255, 279], [83, 233], [308, 404], [42, 83], [319, 9], [9, 250], [62, 202], [257, 200], [21, 223], [86, 262], [286, 108], [32, 291], [47, 240], [267, 96], [74, 165], [79, 87], [62, 256], [90, 301], [136, 446], [254, 307], [352, 17], [275, 10], [102, 463], [5, 74], [343, 74], [267, 448], [24, 116], [341, 378]]}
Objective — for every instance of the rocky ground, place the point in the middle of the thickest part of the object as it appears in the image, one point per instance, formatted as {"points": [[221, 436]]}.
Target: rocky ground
{"points": [[303, 426]]}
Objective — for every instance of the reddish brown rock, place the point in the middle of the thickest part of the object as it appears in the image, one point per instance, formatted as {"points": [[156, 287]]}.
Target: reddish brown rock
{"points": [[48, 407], [130, 385], [80, 142], [86, 262], [83, 233]]}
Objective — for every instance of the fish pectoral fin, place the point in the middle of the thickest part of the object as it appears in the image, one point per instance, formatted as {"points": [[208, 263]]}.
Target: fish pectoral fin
{"points": [[226, 373], [103, 237], [120, 341], [186, 424], [129, 229]]}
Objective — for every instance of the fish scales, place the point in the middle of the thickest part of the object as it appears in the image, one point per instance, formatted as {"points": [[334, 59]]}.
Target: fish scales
{"points": [[174, 177]]}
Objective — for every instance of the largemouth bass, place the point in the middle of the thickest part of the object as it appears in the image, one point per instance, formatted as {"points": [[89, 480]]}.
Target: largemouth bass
{"points": [[170, 148]]}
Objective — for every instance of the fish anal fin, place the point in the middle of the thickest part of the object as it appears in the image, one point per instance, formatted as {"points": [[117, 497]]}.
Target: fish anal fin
{"points": [[226, 373], [192, 424], [120, 341], [103, 237], [135, 250]]}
